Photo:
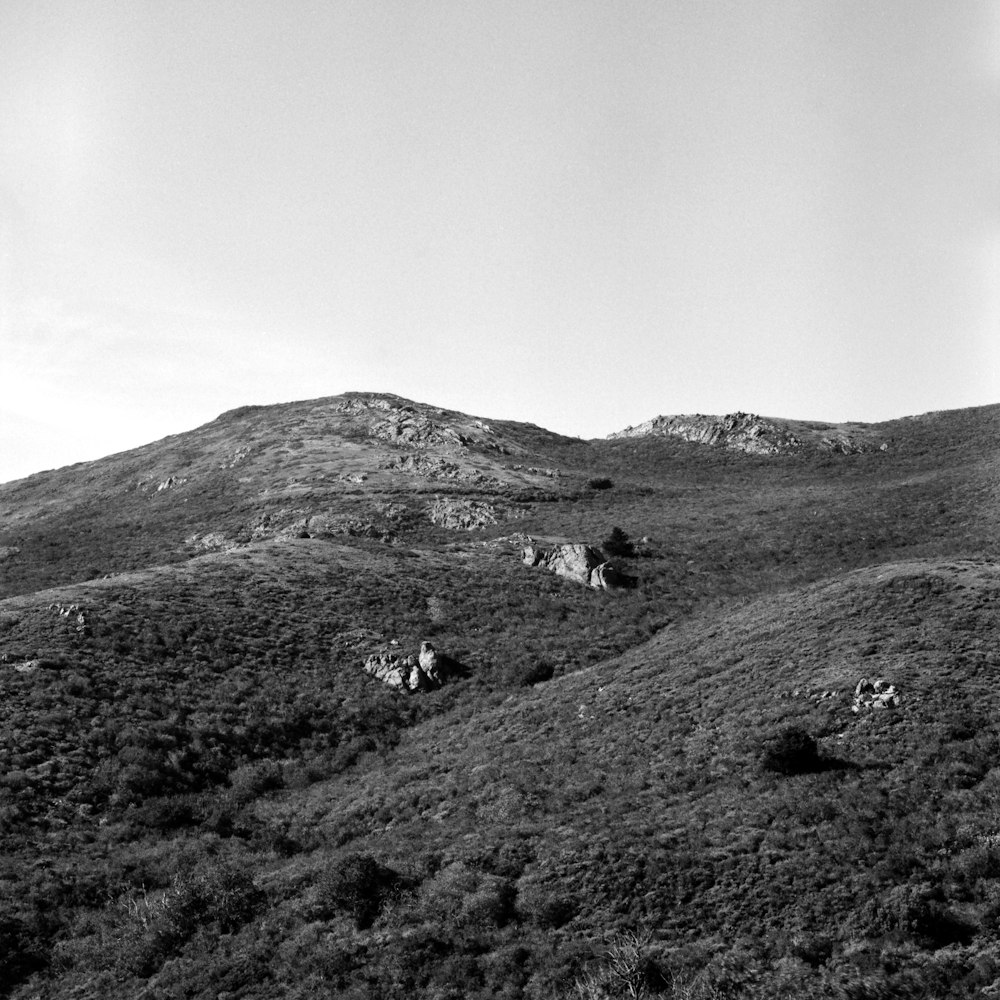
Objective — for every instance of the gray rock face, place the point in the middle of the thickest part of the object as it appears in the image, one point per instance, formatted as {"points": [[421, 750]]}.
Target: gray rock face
{"points": [[878, 694], [469, 515], [572, 561], [740, 431], [463, 515], [756, 435], [430, 663], [606, 577], [427, 671], [577, 562]]}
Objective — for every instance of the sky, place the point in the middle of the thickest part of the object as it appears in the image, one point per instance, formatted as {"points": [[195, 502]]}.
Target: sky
{"points": [[578, 213]]}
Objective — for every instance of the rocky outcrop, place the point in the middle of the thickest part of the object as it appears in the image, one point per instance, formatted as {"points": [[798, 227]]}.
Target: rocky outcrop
{"points": [[436, 467], [418, 427], [427, 671], [170, 482], [579, 563], [468, 515], [74, 613], [740, 431], [877, 694], [756, 435]]}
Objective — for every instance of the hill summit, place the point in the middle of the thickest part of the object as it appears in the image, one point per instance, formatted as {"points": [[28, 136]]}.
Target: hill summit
{"points": [[322, 700]]}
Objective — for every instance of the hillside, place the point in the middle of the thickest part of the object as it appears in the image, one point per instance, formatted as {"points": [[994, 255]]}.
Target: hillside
{"points": [[202, 792]]}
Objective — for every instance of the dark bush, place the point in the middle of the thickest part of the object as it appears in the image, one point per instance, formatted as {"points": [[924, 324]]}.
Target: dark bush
{"points": [[600, 483], [618, 544], [360, 886], [792, 751], [21, 952]]}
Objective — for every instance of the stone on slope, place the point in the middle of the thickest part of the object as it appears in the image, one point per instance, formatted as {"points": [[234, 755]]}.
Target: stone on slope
{"points": [[579, 563], [426, 671], [607, 577]]}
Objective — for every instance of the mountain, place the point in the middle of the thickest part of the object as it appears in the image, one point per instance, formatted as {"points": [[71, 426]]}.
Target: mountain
{"points": [[204, 793]]}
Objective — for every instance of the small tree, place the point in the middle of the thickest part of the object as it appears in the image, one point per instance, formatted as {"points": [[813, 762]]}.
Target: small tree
{"points": [[359, 885], [618, 544]]}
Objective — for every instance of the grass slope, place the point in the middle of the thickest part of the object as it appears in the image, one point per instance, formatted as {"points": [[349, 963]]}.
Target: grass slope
{"points": [[202, 794]]}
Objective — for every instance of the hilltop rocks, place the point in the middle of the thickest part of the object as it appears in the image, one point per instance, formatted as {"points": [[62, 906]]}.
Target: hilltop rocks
{"points": [[425, 672], [579, 563], [756, 435], [740, 431], [877, 694]]}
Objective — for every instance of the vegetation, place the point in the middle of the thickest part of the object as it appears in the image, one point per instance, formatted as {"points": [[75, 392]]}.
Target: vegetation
{"points": [[660, 792]]}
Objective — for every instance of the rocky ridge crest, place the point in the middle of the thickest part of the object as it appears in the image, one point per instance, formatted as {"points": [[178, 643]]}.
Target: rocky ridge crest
{"points": [[756, 435]]}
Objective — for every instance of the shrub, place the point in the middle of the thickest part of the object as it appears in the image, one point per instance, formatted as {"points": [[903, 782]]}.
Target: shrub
{"points": [[156, 926], [360, 886], [600, 483], [618, 544], [630, 970], [792, 751]]}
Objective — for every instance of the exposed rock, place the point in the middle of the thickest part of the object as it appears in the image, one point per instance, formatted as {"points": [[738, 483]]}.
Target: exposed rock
{"points": [[740, 431], [607, 577], [877, 694], [237, 457], [756, 435], [430, 663], [169, 483], [435, 467], [74, 612], [468, 515], [410, 425], [211, 541], [535, 471], [427, 671], [401, 672], [579, 563], [8, 552]]}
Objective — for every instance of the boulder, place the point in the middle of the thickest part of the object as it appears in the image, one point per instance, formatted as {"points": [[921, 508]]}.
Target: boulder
{"points": [[426, 671], [430, 663], [607, 577], [574, 562], [579, 563], [395, 671]]}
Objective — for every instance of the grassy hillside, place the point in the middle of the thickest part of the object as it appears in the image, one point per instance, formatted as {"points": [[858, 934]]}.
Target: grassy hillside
{"points": [[202, 793]]}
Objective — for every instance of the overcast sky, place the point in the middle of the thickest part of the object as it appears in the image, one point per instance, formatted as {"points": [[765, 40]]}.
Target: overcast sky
{"points": [[581, 214]]}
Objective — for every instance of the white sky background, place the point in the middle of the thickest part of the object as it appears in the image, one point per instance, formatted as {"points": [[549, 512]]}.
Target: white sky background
{"points": [[582, 214]]}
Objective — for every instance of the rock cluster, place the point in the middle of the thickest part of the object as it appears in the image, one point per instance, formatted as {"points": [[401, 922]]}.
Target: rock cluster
{"points": [[878, 694], [435, 467], [170, 482], [579, 563], [73, 611], [425, 672], [757, 435], [740, 431], [466, 515]]}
